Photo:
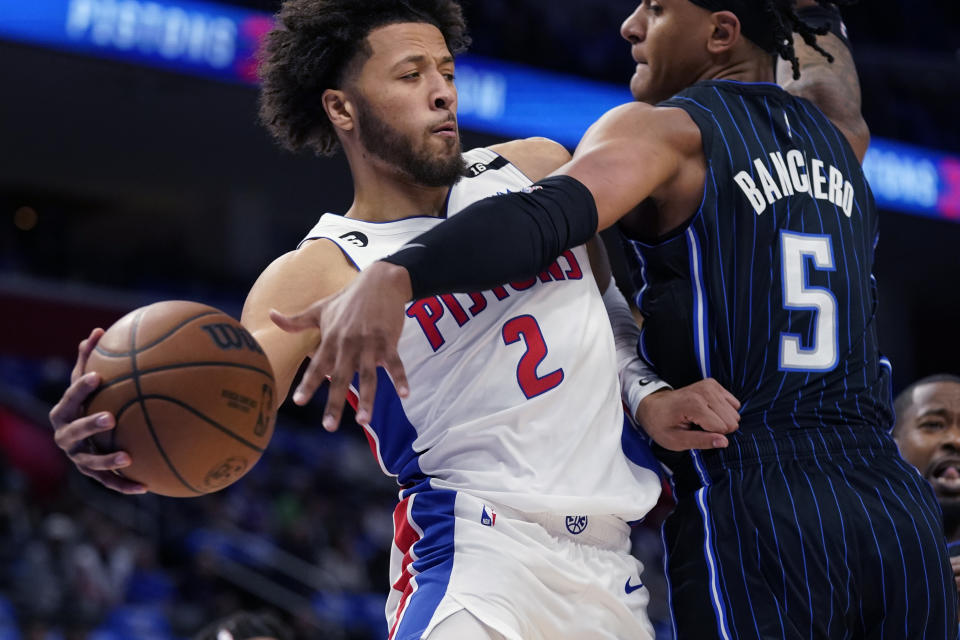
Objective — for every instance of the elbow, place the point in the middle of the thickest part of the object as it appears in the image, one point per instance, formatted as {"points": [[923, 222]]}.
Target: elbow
{"points": [[858, 135]]}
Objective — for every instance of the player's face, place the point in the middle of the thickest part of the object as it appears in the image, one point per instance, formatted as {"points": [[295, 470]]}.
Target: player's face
{"points": [[929, 437], [666, 41], [407, 104]]}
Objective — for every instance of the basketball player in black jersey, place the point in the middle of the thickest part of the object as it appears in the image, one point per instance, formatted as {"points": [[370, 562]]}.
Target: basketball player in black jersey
{"points": [[754, 230]]}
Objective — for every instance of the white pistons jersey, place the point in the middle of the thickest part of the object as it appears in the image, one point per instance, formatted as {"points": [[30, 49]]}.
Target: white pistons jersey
{"points": [[514, 396]]}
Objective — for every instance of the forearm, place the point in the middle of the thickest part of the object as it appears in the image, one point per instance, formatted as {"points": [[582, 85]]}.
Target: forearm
{"points": [[500, 239], [637, 378], [286, 353]]}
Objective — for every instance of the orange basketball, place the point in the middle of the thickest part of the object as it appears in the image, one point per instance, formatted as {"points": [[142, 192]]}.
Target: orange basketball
{"points": [[192, 393]]}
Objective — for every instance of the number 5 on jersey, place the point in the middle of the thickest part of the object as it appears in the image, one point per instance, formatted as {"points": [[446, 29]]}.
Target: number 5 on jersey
{"points": [[798, 251], [531, 383]]}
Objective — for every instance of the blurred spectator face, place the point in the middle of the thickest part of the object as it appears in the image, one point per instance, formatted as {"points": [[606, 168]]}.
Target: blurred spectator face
{"points": [[928, 434]]}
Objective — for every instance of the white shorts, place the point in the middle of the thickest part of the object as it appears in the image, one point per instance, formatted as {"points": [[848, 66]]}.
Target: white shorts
{"points": [[526, 576]]}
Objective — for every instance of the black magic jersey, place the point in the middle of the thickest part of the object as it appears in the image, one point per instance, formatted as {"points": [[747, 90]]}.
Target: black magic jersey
{"points": [[768, 288], [809, 524]]}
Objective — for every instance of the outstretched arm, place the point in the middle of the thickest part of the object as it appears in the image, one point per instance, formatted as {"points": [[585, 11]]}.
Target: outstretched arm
{"points": [[631, 153], [833, 86], [693, 417]]}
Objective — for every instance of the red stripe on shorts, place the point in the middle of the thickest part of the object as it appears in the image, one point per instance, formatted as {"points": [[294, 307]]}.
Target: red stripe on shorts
{"points": [[404, 536]]}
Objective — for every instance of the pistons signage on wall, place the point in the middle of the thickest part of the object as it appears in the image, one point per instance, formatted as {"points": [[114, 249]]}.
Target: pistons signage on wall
{"points": [[220, 42], [199, 38]]}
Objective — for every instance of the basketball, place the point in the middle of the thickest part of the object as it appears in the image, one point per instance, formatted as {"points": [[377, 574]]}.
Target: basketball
{"points": [[192, 393]]}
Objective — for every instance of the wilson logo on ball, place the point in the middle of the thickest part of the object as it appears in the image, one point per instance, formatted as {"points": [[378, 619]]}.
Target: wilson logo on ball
{"points": [[227, 337]]}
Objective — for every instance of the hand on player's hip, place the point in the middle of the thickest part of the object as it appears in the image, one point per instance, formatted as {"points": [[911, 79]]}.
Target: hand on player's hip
{"points": [[697, 416]]}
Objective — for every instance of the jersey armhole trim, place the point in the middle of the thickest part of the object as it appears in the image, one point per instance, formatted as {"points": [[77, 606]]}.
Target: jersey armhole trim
{"points": [[334, 243], [678, 231], [506, 164]]}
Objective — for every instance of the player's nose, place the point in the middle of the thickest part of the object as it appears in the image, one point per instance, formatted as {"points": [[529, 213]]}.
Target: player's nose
{"points": [[633, 30], [443, 94]]}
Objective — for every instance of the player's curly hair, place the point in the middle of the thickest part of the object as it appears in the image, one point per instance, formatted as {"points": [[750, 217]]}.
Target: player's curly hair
{"points": [[317, 44], [784, 22]]}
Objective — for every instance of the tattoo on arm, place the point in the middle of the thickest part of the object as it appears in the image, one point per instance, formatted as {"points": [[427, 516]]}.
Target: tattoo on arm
{"points": [[833, 87]]}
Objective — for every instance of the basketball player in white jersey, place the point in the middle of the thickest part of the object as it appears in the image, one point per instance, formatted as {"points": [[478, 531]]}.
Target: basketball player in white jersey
{"points": [[519, 474]]}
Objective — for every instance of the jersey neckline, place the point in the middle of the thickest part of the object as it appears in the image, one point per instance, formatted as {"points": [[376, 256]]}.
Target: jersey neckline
{"points": [[767, 88], [445, 211]]}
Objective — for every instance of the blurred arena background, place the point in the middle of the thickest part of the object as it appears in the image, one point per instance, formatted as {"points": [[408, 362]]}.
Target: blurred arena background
{"points": [[132, 169]]}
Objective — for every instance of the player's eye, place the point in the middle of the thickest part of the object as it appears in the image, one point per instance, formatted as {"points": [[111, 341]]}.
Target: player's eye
{"points": [[931, 425], [412, 75]]}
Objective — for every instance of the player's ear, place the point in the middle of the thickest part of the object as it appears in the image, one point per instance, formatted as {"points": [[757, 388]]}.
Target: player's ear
{"points": [[339, 109], [725, 33]]}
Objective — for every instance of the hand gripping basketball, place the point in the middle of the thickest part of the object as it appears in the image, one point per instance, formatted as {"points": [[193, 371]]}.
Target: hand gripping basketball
{"points": [[190, 391], [72, 428]]}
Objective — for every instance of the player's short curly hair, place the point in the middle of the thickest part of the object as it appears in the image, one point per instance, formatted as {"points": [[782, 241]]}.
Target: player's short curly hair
{"points": [[317, 44]]}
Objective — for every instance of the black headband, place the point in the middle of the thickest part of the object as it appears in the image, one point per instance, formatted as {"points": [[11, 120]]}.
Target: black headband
{"points": [[752, 23]]}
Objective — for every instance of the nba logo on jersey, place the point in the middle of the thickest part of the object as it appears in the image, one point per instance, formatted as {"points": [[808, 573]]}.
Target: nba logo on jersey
{"points": [[488, 519], [576, 524]]}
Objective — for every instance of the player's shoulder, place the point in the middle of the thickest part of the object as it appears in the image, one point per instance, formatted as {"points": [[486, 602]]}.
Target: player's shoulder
{"points": [[667, 126], [317, 256], [295, 280], [535, 157], [317, 268]]}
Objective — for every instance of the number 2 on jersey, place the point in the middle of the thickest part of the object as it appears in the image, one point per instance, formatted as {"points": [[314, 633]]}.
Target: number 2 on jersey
{"points": [[795, 248], [526, 328]]}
